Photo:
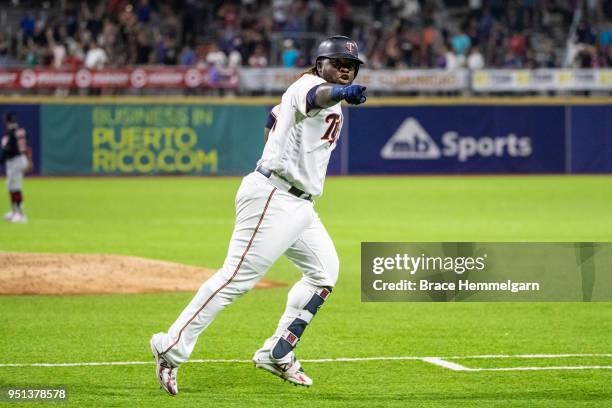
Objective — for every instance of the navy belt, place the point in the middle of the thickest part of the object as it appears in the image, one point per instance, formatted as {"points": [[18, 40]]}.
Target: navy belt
{"points": [[267, 173]]}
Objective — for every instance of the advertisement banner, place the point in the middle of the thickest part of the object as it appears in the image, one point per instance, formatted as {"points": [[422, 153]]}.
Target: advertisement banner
{"points": [[521, 80], [121, 78], [149, 139], [591, 147], [405, 80], [486, 272], [457, 139], [28, 118]]}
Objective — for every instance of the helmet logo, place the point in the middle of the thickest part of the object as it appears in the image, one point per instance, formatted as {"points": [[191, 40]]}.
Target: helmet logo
{"points": [[351, 47]]}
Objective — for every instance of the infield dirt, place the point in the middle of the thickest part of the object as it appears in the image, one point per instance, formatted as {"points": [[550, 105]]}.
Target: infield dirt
{"points": [[82, 274]]}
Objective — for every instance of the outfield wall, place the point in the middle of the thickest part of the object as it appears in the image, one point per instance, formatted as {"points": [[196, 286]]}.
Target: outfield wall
{"points": [[85, 136]]}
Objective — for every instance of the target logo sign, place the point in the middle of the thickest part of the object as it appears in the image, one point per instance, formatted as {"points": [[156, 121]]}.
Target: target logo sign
{"points": [[193, 78], [138, 78], [28, 78], [83, 78]]}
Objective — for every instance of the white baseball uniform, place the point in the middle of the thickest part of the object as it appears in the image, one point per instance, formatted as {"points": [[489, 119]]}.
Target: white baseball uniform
{"points": [[272, 221]]}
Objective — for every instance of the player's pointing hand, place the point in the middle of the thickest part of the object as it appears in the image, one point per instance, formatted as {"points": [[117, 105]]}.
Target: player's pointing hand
{"points": [[355, 94]]}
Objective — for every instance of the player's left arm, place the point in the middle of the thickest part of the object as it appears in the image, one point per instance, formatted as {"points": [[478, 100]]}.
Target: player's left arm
{"points": [[271, 122], [269, 125]]}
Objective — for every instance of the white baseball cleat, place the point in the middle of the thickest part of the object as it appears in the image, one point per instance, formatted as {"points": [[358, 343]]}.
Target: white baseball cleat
{"points": [[164, 371], [291, 371], [9, 215], [19, 218]]}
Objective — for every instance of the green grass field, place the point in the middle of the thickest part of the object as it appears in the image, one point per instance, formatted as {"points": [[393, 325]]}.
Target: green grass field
{"points": [[189, 220]]}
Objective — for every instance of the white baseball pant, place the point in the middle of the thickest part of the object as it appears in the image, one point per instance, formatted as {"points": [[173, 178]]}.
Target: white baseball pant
{"points": [[15, 168], [270, 222]]}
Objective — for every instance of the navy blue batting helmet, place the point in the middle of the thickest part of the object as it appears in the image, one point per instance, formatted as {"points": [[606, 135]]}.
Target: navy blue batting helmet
{"points": [[339, 46]]}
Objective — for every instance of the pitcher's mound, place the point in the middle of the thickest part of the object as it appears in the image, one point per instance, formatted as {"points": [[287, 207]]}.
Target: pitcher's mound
{"points": [[79, 274]]}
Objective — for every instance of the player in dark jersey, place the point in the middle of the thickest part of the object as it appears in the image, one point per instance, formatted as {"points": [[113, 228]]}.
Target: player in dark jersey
{"points": [[14, 150]]}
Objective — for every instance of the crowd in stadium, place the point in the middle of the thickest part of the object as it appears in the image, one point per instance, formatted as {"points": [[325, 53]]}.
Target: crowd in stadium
{"points": [[258, 33]]}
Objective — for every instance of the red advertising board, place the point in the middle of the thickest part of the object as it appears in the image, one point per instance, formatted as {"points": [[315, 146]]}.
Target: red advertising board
{"points": [[123, 78]]}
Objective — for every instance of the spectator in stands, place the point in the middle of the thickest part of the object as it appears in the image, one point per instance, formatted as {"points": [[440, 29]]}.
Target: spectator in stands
{"points": [[497, 45], [280, 11], [398, 34], [410, 48], [606, 57], [234, 58], [290, 54], [96, 57], [512, 61], [461, 43], [317, 17], [475, 8], [144, 11], [475, 60], [376, 60], [40, 39], [344, 17], [75, 57], [165, 50], [258, 59], [407, 10], [74, 50], [392, 51], [31, 54], [585, 33], [296, 20], [517, 45], [4, 50], [216, 57], [447, 58], [429, 38], [93, 19], [27, 25], [585, 57], [605, 47], [58, 49], [605, 37], [549, 59], [143, 53], [187, 56]]}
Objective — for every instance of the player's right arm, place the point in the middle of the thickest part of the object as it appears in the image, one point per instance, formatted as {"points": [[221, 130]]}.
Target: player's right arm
{"points": [[327, 94], [311, 94], [3, 143], [22, 143]]}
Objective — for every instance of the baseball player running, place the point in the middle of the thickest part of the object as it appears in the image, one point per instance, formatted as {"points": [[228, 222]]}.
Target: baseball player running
{"points": [[275, 215], [14, 151]]}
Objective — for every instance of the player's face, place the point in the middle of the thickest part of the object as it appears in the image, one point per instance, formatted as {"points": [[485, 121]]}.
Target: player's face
{"points": [[338, 70]]}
